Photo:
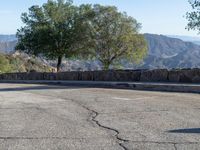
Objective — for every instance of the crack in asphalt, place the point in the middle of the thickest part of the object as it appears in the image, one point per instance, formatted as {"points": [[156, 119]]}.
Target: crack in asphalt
{"points": [[175, 147], [94, 115]]}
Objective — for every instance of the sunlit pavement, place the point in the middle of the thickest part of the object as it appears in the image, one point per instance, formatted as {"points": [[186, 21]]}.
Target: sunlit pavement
{"points": [[41, 117]]}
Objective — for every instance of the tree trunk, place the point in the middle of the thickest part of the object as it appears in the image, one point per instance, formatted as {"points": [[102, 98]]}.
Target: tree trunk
{"points": [[59, 63], [106, 66]]}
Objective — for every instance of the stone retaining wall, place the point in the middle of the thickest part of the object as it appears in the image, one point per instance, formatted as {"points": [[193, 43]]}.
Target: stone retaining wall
{"points": [[159, 75]]}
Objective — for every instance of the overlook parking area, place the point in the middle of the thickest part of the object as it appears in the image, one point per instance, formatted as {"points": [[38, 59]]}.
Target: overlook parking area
{"points": [[41, 117]]}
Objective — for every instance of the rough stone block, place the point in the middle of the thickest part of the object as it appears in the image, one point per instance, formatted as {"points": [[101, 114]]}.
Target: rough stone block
{"points": [[159, 75]]}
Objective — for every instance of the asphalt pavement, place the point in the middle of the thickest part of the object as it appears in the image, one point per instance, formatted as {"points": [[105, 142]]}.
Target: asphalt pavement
{"points": [[50, 117]]}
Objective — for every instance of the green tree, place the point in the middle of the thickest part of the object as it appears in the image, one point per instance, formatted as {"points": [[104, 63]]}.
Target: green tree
{"points": [[194, 16], [4, 64], [115, 36], [55, 30]]}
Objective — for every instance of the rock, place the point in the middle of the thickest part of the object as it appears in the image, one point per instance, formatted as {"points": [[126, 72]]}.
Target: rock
{"points": [[135, 75], [190, 76], [174, 76], [159, 75], [185, 76], [67, 75], [85, 76]]}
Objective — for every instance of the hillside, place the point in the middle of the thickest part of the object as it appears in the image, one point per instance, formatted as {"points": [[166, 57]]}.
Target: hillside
{"points": [[7, 43], [165, 52], [8, 38], [193, 39], [7, 47], [19, 62]]}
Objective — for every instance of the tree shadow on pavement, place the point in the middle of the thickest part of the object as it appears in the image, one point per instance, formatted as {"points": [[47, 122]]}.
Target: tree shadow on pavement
{"points": [[188, 130]]}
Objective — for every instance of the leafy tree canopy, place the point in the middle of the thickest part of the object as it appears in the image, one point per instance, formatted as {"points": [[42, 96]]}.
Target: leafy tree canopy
{"points": [[115, 36], [55, 30], [194, 16], [59, 29]]}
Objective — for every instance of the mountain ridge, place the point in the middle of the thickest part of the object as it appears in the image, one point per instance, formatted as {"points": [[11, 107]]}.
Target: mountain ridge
{"points": [[7, 38], [163, 52]]}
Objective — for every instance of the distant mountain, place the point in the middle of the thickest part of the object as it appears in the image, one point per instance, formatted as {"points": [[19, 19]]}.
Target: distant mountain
{"points": [[164, 52], [8, 38], [193, 39], [7, 47], [7, 43]]}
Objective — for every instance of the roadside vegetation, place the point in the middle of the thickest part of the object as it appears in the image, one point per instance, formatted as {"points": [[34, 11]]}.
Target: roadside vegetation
{"points": [[4, 64], [194, 16], [59, 29], [19, 63]]}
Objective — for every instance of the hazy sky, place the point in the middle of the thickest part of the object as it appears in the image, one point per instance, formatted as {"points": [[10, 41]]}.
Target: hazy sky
{"points": [[156, 16]]}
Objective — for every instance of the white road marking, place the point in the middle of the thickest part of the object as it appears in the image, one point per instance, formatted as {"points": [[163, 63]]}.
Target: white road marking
{"points": [[119, 98], [128, 99]]}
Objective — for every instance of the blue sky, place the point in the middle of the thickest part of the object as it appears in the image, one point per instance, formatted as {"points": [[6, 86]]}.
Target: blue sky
{"points": [[156, 16]]}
